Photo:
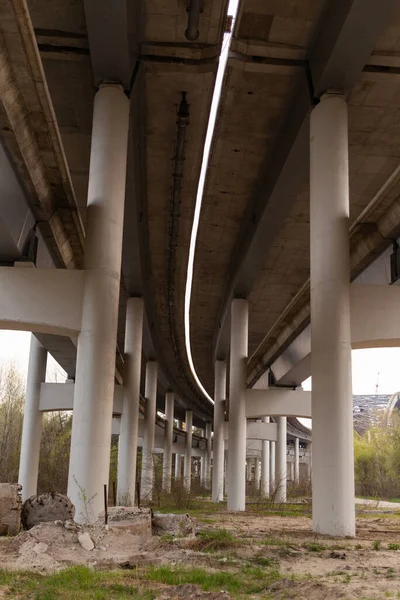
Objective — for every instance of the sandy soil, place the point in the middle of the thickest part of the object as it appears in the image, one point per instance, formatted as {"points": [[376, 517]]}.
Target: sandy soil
{"points": [[342, 568], [312, 567]]}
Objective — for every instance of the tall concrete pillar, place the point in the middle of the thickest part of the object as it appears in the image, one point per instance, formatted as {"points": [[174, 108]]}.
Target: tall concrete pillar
{"points": [[296, 460], [187, 466], [32, 424], [265, 471], [128, 439], [309, 462], [333, 462], [257, 473], [237, 405], [203, 465], [217, 492], [207, 457], [178, 467], [95, 365], [248, 469], [168, 439], [272, 483], [149, 426], [280, 459]]}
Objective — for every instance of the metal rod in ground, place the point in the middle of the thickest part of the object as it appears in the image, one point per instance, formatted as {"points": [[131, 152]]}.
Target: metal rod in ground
{"points": [[114, 493], [138, 492], [105, 505]]}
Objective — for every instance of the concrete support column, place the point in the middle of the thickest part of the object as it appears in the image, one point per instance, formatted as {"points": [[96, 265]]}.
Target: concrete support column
{"points": [[168, 439], [280, 472], [32, 425], [202, 465], [147, 480], [248, 469], [187, 466], [95, 365], [257, 473], [207, 474], [272, 483], [332, 405], [178, 467], [217, 492], [237, 405], [265, 471], [309, 462], [296, 460], [128, 439]]}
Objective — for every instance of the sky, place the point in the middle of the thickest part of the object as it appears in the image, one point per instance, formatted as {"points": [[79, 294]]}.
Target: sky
{"points": [[373, 367], [14, 350]]}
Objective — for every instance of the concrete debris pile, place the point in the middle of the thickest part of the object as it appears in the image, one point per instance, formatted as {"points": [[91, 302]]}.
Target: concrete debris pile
{"points": [[176, 525], [136, 520], [46, 508], [142, 521], [127, 541], [10, 509]]}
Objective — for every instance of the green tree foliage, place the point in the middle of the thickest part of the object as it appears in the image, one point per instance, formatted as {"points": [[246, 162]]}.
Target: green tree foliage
{"points": [[55, 443], [12, 395], [377, 460]]}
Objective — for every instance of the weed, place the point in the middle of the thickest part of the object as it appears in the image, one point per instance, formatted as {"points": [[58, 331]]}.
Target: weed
{"points": [[390, 573], [393, 546], [218, 539], [314, 547], [263, 561], [376, 545]]}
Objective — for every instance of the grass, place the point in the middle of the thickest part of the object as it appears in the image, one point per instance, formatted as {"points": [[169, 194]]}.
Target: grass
{"points": [[204, 510], [376, 545], [393, 546], [75, 583], [248, 580], [314, 547], [82, 583], [218, 539]]}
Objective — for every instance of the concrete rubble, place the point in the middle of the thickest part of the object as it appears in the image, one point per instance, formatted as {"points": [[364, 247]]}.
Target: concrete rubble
{"points": [[10, 509], [177, 525], [86, 541], [45, 508], [131, 518]]}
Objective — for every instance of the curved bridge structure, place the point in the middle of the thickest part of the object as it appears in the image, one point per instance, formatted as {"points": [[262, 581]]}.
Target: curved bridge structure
{"points": [[212, 289]]}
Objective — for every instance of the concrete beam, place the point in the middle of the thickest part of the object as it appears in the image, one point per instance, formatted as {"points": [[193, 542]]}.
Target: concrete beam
{"points": [[374, 324], [278, 402], [60, 396], [107, 24], [256, 431], [41, 300]]}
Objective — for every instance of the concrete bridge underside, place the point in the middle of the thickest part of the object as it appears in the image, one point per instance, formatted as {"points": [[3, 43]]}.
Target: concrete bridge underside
{"points": [[104, 109]]}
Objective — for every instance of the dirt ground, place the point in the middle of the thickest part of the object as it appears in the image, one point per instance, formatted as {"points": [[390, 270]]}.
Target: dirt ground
{"points": [[314, 566], [311, 567]]}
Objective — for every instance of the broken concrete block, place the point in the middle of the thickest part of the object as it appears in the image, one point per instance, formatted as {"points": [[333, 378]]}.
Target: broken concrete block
{"points": [[86, 541], [10, 509], [40, 548], [46, 507], [178, 525], [133, 519]]}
